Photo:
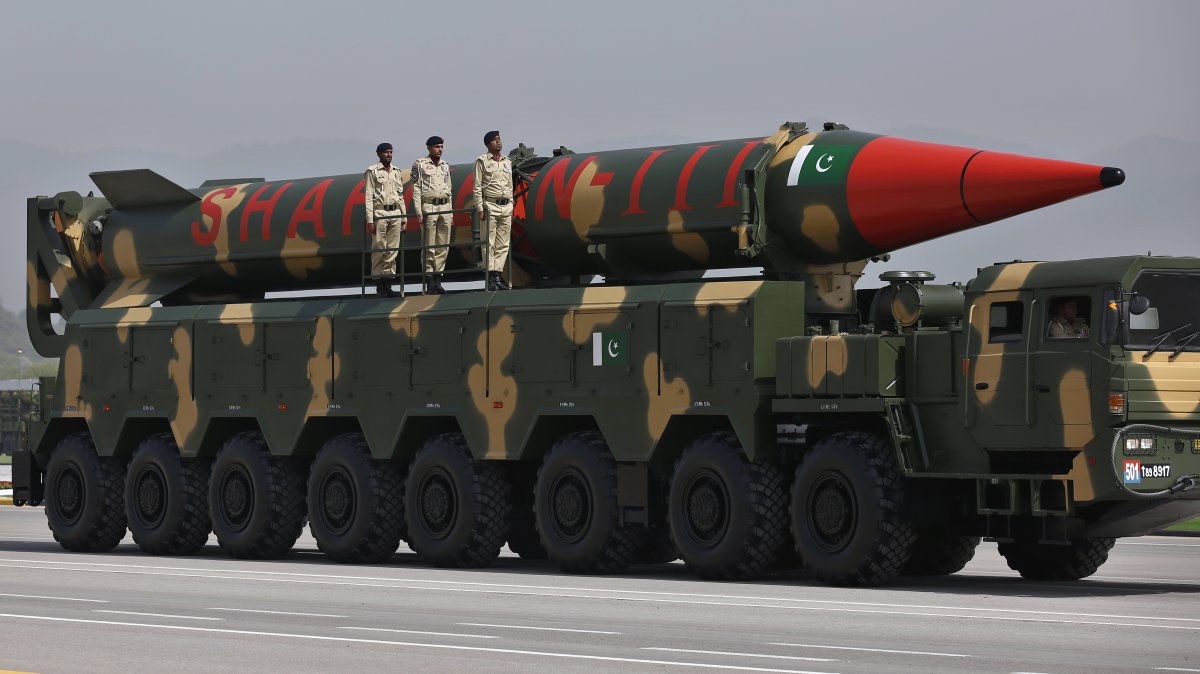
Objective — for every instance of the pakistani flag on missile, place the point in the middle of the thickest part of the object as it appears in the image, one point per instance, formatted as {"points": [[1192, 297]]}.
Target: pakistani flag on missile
{"points": [[822, 165], [610, 348]]}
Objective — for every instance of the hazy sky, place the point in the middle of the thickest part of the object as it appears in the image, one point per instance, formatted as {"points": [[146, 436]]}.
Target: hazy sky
{"points": [[1057, 79], [199, 76]]}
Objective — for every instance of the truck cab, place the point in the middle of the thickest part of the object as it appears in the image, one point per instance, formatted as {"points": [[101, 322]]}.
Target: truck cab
{"points": [[1089, 369]]}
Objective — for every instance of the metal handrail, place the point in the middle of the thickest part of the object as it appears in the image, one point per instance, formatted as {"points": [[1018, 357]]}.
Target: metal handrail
{"points": [[402, 273]]}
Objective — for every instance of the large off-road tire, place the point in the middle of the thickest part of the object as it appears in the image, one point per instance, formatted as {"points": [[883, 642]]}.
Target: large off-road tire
{"points": [[85, 496], [575, 503], [937, 553], [166, 498], [256, 500], [355, 502], [1043, 561], [728, 516], [459, 510], [846, 511]]}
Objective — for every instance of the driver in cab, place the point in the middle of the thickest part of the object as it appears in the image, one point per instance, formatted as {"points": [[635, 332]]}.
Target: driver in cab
{"points": [[1066, 323]]}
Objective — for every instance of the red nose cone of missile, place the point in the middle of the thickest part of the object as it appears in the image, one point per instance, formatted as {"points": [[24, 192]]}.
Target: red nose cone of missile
{"points": [[902, 192]]}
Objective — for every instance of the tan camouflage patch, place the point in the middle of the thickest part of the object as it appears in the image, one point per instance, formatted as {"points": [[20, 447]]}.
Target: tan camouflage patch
{"points": [[691, 244], [321, 367], [587, 201], [186, 418], [819, 224]]}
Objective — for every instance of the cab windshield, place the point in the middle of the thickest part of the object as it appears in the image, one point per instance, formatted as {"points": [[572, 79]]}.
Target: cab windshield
{"points": [[1172, 322]]}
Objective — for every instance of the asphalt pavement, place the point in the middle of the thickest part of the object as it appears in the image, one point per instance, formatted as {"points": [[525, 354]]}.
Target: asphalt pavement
{"points": [[128, 612]]}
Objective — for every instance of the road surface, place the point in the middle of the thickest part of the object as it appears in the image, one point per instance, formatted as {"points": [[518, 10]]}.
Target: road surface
{"points": [[128, 612]]}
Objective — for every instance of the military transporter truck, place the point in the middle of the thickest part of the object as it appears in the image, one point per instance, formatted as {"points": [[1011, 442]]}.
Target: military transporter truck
{"points": [[616, 408]]}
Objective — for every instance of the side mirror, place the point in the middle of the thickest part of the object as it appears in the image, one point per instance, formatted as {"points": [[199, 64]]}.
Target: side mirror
{"points": [[1138, 304]]}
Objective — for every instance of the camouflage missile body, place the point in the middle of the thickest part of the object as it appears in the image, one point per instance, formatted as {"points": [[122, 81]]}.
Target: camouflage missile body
{"points": [[599, 424]]}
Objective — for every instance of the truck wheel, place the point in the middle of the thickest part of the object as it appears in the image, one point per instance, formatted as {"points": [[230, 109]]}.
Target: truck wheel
{"points": [[85, 506], [575, 503], [846, 511], [166, 498], [727, 515], [936, 553], [355, 503], [458, 509], [256, 500], [1040, 561]]}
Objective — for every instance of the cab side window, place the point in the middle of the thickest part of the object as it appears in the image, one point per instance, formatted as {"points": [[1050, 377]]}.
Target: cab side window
{"points": [[1004, 322], [1069, 317]]}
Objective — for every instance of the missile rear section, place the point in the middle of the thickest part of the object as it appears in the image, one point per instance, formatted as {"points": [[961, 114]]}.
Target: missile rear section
{"points": [[732, 423]]}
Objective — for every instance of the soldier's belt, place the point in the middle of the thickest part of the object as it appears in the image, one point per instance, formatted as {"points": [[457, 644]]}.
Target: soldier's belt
{"points": [[437, 202], [387, 207], [500, 201]]}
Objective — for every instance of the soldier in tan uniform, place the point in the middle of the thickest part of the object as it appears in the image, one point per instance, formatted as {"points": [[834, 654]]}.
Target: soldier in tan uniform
{"points": [[385, 216], [432, 192], [1067, 322], [493, 191]]}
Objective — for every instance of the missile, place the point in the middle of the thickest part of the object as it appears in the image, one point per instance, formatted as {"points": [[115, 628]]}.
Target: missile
{"points": [[791, 199]]}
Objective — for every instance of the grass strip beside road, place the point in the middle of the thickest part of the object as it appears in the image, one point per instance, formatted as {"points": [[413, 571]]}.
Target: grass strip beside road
{"points": [[1190, 525], [5, 458]]}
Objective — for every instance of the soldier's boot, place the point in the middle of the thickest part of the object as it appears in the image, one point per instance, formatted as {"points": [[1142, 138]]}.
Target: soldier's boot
{"points": [[434, 286], [499, 280], [384, 289], [491, 281]]}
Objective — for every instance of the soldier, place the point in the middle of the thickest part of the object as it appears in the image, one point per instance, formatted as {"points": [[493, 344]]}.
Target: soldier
{"points": [[493, 188], [385, 217], [432, 192], [1067, 323]]}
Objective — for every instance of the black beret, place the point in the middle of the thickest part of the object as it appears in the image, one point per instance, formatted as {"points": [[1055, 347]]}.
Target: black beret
{"points": [[490, 136], [383, 146], [435, 140]]}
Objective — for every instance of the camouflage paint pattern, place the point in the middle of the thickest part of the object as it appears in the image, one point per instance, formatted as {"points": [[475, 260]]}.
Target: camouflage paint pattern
{"points": [[648, 366]]}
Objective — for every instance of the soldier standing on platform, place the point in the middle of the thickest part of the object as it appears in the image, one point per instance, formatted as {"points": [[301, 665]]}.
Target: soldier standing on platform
{"points": [[493, 191], [385, 217], [431, 194]]}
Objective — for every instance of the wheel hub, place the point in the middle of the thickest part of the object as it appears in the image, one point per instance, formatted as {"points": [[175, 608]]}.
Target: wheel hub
{"points": [[438, 505], [707, 503], [337, 501], [832, 513], [69, 494], [150, 495], [572, 506], [237, 497]]}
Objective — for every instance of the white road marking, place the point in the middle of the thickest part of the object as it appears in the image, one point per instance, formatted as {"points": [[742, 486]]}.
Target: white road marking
{"points": [[791, 604], [527, 627], [1175, 669], [38, 596], [873, 650], [431, 634], [155, 615], [1173, 581], [449, 647], [741, 655], [251, 610]]}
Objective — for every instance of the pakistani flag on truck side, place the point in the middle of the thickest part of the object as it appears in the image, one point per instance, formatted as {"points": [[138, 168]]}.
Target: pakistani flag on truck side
{"points": [[610, 348]]}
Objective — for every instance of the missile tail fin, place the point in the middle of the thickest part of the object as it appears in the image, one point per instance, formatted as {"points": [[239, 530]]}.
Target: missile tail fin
{"points": [[140, 188]]}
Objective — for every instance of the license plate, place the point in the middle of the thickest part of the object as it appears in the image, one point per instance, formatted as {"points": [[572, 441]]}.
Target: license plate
{"points": [[1151, 470]]}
